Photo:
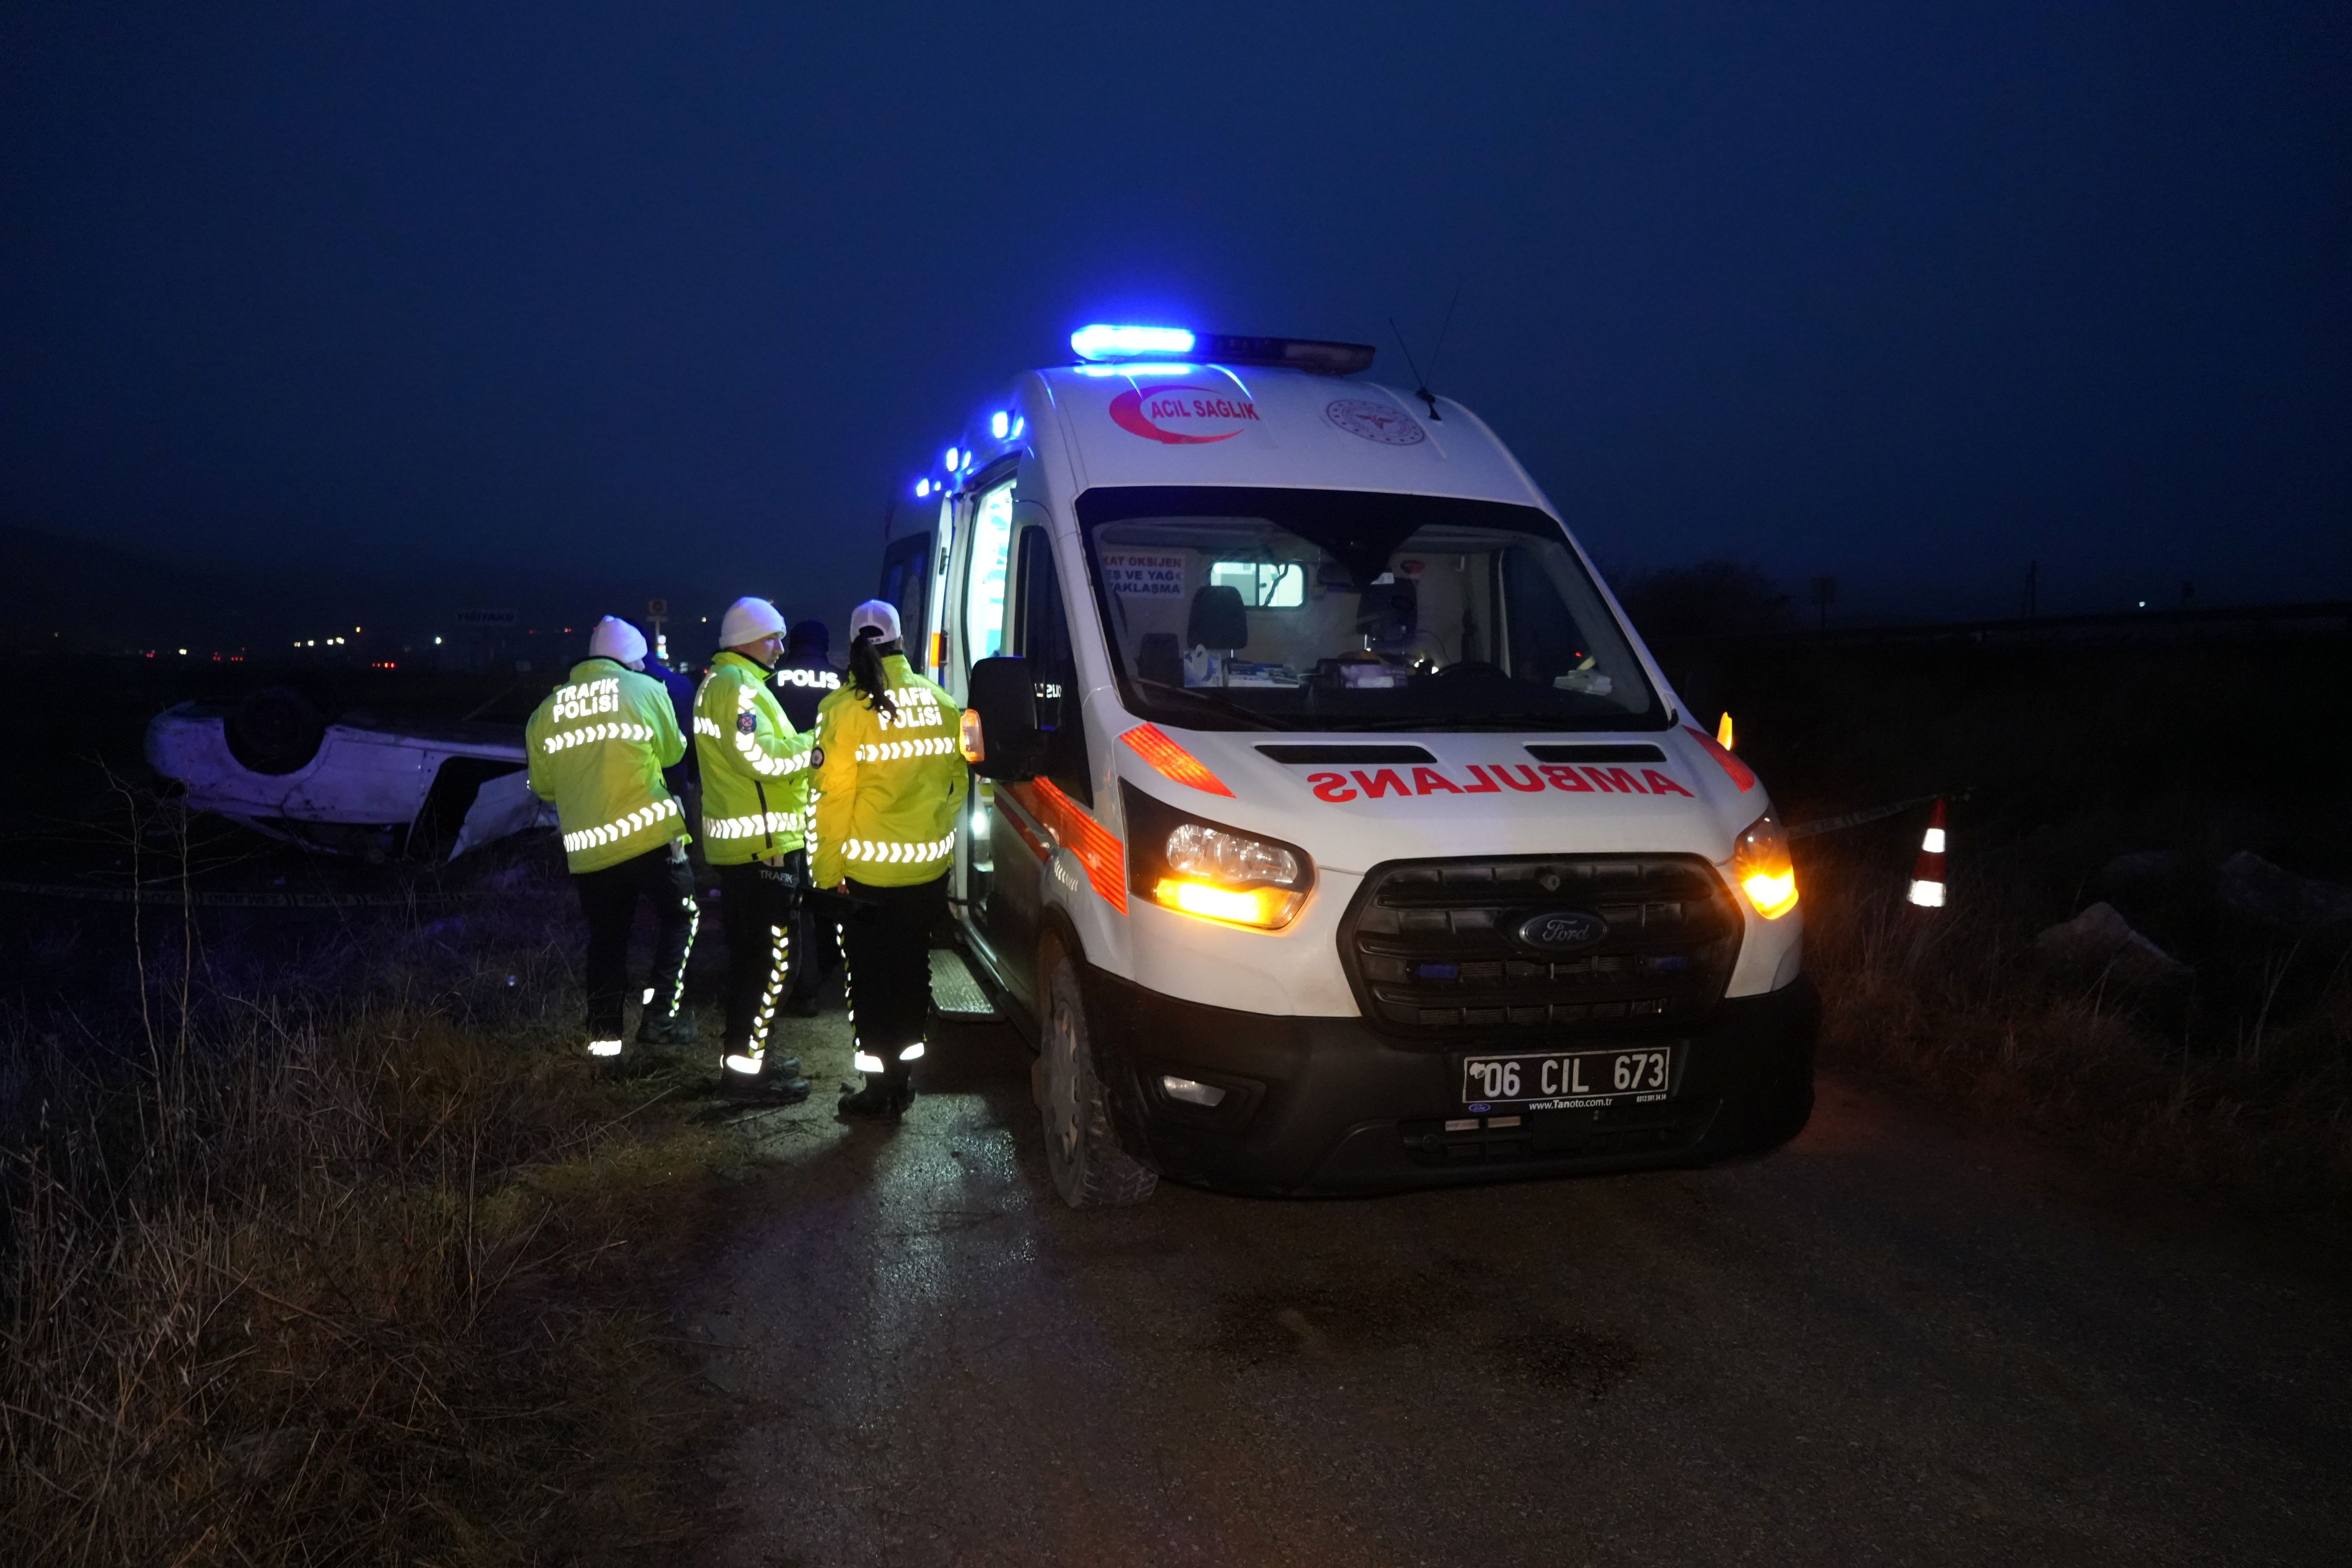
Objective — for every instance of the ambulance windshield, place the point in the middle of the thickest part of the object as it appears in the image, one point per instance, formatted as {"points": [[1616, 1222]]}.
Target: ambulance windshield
{"points": [[1271, 609]]}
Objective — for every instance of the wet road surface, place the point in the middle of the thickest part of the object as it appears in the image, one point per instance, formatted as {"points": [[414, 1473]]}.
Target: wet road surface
{"points": [[1884, 1344]]}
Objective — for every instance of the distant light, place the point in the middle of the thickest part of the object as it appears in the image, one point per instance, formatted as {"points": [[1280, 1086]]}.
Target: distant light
{"points": [[436, 641], [1103, 343], [1000, 425], [952, 456], [2143, 604], [923, 488], [184, 652], [359, 628], [311, 644], [1160, 368]]}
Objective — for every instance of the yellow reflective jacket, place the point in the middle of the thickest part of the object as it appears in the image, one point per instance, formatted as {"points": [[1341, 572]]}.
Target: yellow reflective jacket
{"points": [[597, 746], [755, 766], [891, 785]]}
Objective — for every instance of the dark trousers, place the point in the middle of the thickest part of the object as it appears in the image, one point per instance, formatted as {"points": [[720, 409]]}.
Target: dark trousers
{"points": [[609, 898], [758, 904], [885, 941], [816, 945]]}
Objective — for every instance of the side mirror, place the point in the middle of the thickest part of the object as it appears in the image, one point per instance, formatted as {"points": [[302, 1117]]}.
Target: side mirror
{"points": [[1013, 748]]}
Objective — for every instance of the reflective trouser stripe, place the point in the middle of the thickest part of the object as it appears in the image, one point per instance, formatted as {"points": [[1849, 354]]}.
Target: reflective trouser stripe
{"points": [[693, 924], [779, 958]]}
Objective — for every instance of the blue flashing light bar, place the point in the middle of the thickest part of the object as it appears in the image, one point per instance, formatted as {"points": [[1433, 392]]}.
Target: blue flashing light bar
{"points": [[1000, 425], [952, 454], [923, 488], [1126, 345], [1138, 368], [1104, 343]]}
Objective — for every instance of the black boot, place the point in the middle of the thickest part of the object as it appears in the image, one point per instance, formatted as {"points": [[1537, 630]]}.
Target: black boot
{"points": [[882, 1096], [667, 1029], [778, 1081]]}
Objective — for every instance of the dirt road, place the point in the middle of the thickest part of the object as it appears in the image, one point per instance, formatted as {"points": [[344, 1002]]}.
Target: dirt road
{"points": [[1884, 1344]]}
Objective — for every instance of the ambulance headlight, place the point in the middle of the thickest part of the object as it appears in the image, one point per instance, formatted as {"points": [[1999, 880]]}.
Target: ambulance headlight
{"points": [[1197, 849], [1207, 869], [1760, 864]]}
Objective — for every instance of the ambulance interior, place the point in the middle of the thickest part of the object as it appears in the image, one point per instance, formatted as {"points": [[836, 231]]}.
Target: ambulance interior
{"points": [[1355, 612]]}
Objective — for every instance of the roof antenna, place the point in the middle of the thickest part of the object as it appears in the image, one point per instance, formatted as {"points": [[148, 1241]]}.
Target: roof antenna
{"points": [[1423, 392], [1438, 353], [1420, 391]]}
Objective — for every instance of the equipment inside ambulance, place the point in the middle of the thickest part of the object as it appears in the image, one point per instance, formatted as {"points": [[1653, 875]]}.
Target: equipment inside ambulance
{"points": [[1335, 831]]}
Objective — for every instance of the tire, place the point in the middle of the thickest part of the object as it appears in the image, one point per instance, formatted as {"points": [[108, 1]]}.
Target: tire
{"points": [[1091, 1170], [276, 730]]}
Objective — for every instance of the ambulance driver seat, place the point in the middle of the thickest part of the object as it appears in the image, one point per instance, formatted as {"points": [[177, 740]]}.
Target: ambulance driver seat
{"points": [[1215, 626]]}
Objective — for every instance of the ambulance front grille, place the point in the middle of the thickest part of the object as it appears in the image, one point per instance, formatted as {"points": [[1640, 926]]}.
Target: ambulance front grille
{"points": [[1432, 949]]}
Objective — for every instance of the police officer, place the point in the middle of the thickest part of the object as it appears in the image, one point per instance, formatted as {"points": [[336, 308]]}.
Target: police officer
{"points": [[755, 789], [889, 788], [597, 747], [683, 784], [804, 677], [806, 674]]}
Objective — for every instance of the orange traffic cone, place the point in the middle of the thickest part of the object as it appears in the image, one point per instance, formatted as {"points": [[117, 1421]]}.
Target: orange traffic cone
{"points": [[1928, 872]]}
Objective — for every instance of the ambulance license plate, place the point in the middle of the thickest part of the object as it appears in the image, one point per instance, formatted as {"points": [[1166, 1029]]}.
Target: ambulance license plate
{"points": [[1568, 1080]]}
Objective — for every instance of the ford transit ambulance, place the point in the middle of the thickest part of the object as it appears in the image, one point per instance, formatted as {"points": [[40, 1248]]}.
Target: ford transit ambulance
{"points": [[1335, 831]]}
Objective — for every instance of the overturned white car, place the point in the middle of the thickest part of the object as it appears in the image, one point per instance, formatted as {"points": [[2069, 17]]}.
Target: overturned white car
{"points": [[359, 785]]}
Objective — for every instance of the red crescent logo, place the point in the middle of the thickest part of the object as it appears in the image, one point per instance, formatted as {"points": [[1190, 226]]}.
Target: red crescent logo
{"points": [[1135, 410]]}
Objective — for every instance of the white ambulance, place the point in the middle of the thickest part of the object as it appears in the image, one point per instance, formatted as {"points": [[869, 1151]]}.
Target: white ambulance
{"points": [[1336, 832]]}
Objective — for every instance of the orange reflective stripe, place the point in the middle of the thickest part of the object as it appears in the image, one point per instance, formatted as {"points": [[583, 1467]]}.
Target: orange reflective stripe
{"points": [[1097, 847], [1171, 760]]}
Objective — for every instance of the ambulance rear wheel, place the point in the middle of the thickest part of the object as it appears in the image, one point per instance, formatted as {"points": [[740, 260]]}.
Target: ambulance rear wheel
{"points": [[1091, 1170]]}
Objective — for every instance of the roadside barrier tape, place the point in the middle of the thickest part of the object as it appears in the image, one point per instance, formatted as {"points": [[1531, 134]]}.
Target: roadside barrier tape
{"points": [[1873, 814], [197, 896]]}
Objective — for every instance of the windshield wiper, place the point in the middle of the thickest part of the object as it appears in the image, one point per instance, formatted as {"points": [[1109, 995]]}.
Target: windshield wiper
{"points": [[1231, 709]]}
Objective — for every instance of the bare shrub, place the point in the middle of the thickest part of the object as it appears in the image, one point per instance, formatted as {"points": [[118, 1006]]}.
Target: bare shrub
{"points": [[358, 1278]]}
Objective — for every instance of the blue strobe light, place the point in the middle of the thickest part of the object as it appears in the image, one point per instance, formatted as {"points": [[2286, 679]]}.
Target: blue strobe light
{"points": [[1103, 343]]}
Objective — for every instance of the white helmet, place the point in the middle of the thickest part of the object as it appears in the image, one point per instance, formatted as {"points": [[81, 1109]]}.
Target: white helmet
{"points": [[877, 613], [747, 621], [616, 640]]}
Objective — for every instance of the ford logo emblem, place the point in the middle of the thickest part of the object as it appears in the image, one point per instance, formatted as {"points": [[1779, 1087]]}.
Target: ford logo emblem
{"points": [[1563, 931]]}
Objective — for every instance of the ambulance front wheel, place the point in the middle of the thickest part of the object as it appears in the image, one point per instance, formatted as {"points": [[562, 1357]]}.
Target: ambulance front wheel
{"points": [[1091, 1170]]}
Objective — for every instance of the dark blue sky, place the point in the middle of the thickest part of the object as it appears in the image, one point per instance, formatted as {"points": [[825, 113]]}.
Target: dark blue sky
{"points": [[1907, 293]]}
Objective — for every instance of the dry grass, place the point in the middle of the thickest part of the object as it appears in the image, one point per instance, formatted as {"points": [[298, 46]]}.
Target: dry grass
{"points": [[2245, 1089], [370, 1278]]}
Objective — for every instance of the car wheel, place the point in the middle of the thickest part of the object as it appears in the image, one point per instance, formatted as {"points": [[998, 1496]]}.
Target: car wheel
{"points": [[275, 730], [1091, 1170]]}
